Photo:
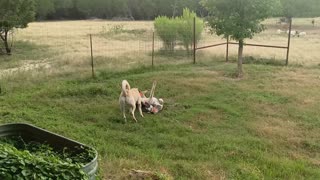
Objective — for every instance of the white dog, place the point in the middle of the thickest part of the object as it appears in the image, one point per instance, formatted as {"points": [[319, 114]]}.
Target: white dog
{"points": [[129, 97], [152, 104]]}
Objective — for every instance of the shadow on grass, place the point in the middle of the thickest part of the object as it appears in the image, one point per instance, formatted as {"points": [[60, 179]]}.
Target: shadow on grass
{"points": [[173, 54], [25, 50], [264, 61]]}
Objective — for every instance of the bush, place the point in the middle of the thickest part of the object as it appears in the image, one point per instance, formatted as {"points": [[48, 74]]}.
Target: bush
{"points": [[185, 28], [167, 30], [181, 28]]}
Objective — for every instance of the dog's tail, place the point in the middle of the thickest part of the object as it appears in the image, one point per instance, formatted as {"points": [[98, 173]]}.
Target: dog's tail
{"points": [[125, 87]]}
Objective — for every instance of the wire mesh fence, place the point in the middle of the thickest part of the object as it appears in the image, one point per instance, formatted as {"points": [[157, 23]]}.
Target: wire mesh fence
{"points": [[65, 45], [115, 45]]}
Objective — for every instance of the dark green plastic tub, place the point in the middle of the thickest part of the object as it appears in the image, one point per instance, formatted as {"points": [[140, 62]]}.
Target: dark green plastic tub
{"points": [[32, 133]]}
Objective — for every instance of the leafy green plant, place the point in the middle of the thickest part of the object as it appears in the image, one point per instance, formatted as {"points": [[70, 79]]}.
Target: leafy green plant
{"points": [[20, 160], [239, 20], [14, 14], [180, 29], [116, 29], [167, 30], [185, 28], [120, 33]]}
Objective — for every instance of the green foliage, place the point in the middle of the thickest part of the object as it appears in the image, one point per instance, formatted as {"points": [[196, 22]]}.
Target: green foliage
{"points": [[116, 29], [185, 28], [167, 30], [239, 19], [180, 28], [296, 8], [37, 161], [14, 14], [136, 9], [119, 32], [43, 8]]}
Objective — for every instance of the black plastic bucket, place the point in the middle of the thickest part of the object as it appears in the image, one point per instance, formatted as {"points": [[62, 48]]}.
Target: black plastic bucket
{"points": [[32, 133]]}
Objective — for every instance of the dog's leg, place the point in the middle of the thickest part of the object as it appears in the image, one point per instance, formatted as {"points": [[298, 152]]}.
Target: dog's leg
{"points": [[123, 110], [132, 110], [152, 90], [139, 107]]}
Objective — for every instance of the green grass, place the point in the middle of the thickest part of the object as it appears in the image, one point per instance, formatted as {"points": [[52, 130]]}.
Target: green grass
{"points": [[265, 126], [25, 52]]}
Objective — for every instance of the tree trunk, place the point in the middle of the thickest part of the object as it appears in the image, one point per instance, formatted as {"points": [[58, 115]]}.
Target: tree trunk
{"points": [[240, 59], [5, 42]]}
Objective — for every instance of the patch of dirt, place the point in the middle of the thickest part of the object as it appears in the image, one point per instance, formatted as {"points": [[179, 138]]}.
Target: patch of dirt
{"points": [[25, 67]]}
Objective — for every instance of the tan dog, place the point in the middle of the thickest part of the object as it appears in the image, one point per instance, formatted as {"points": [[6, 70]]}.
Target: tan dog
{"points": [[129, 97]]}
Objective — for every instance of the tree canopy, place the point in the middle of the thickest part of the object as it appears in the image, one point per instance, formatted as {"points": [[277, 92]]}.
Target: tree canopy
{"points": [[148, 9], [239, 19], [14, 14], [108, 9], [300, 8]]}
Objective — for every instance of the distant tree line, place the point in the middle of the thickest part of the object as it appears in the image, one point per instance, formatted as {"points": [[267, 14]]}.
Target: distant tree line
{"points": [[109, 9], [148, 9], [299, 8]]}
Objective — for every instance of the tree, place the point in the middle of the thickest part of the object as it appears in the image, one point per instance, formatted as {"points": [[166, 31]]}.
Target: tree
{"points": [[14, 14], [239, 19]]}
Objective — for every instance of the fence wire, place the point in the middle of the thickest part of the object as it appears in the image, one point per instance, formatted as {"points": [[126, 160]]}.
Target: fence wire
{"points": [[122, 45]]}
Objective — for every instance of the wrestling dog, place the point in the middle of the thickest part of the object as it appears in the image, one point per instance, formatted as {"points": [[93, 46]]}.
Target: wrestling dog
{"points": [[129, 97], [151, 104]]}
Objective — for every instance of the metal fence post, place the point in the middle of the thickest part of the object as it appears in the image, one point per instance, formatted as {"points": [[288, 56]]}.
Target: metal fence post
{"points": [[194, 40], [92, 64], [152, 48], [227, 51], [289, 40]]}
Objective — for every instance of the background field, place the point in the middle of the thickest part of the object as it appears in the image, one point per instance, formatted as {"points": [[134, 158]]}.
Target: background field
{"points": [[64, 45], [265, 126]]}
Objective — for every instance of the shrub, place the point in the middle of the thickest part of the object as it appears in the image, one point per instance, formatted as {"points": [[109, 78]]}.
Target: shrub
{"points": [[181, 28], [185, 28], [167, 30]]}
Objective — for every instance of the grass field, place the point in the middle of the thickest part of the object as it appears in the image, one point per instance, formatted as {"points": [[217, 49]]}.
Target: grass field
{"points": [[65, 44], [214, 126]]}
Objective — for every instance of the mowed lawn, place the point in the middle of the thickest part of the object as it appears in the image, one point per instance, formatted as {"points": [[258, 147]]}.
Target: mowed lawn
{"points": [[214, 126]]}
